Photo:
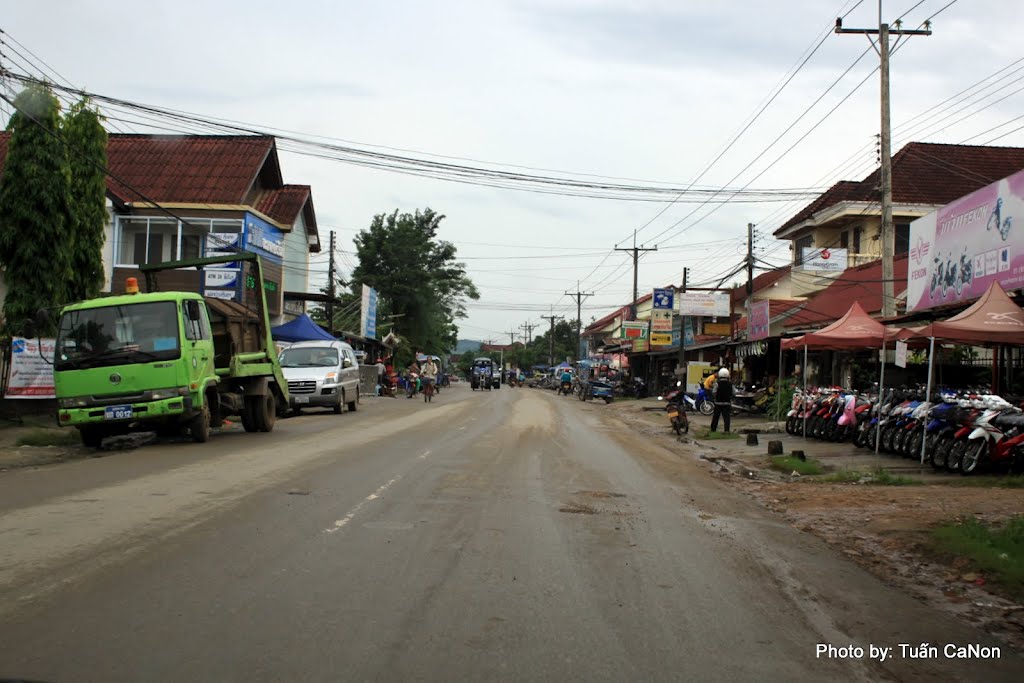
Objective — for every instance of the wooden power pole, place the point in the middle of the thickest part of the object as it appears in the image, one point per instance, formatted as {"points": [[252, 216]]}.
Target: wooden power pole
{"points": [[635, 250], [887, 232]]}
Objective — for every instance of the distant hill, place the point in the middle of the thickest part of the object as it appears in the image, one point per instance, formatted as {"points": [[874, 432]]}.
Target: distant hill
{"points": [[464, 345]]}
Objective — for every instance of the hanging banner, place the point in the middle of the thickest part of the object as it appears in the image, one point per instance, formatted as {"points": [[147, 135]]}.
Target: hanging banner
{"points": [[759, 320], [688, 331], [30, 375], [959, 250], [901, 354], [368, 314], [824, 260], [707, 304]]}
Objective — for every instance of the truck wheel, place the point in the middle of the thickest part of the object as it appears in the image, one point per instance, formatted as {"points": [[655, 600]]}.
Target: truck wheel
{"points": [[353, 406], [268, 415], [199, 426], [92, 437], [249, 412]]}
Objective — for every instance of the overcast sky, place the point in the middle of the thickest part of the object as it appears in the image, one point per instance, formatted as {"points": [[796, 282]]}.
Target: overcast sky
{"points": [[640, 89]]}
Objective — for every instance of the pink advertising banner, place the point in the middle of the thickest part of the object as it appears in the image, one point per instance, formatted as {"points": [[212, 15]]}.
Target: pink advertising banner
{"points": [[759, 321], [959, 250]]}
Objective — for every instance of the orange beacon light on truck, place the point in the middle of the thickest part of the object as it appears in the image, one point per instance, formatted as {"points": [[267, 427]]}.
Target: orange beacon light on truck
{"points": [[131, 286]]}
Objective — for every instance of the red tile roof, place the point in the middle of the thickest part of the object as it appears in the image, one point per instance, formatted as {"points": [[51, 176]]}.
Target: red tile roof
{"points": [[200, 169], [284, 203], [862, 284], [190, 169], [925, 173]]}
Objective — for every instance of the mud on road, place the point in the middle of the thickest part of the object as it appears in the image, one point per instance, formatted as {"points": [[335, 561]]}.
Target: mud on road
{"points": [[884, 529]]}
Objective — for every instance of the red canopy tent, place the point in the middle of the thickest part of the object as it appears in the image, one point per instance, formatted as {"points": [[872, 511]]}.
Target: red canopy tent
{"points": [[855, 330], [992, 319]]}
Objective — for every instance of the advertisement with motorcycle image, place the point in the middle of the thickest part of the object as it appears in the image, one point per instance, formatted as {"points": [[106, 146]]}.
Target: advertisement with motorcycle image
{"points": [[959, 250]]}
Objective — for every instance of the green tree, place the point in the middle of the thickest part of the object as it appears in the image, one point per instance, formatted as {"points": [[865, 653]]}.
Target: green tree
{"points": [[87, 159], [565, 342], [416, 273], [35, 211]]}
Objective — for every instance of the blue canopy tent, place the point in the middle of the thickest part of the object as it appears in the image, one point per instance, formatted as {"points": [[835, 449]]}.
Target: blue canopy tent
{"points": [[301, 329]]}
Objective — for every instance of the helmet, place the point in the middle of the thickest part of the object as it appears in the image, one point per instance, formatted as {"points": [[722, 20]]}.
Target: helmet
{"points": [[724, 373]]}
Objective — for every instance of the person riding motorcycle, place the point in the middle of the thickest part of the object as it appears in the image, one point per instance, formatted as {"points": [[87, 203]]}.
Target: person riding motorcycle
{"points": [[412, 374], [565, 381], [428, 373]]}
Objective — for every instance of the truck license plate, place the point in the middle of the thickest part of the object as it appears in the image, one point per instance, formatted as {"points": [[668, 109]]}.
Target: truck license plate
{"points": [[117, 412], [302, 399]]}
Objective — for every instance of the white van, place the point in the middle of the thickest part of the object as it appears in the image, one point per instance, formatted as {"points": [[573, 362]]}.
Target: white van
{"points": [[321, 373]]}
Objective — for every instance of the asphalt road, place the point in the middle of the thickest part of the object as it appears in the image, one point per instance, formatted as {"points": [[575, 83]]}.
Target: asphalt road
{"points": [[505, 535]]}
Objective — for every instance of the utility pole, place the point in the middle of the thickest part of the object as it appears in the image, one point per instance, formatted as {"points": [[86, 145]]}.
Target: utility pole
{"points": [[887, 233], [551, 335], [579, 297], [750, 259], [636, 265], [682, 330], [528, 328], [330, 289]]}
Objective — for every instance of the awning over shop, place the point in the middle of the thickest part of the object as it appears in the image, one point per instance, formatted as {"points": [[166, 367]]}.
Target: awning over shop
{"points": [[992, 319]]}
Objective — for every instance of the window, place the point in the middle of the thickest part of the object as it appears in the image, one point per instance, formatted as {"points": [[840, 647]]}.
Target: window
{"points": [[154, 239], [844, 240], [856, 239], [197, 324], [798, 249], [902, 239]]}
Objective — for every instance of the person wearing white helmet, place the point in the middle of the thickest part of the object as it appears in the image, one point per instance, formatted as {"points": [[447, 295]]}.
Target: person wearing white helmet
{"points": [[721, 394]]}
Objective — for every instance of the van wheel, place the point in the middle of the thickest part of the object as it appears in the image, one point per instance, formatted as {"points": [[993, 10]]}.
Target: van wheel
{"points": [[340, 404], [353, 405], [199, 426]]}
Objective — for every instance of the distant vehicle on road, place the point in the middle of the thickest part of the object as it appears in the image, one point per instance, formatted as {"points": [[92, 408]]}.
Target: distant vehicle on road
{"points": [[484, 375]]}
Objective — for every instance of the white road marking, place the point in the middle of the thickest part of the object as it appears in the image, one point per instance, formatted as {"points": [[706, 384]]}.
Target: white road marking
{"points": [[340, 524]]}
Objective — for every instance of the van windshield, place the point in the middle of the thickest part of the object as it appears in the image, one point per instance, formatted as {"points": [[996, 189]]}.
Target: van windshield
{"points": [[310, 356]]}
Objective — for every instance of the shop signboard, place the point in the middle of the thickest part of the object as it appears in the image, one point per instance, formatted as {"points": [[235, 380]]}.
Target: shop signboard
{"points": [[688, 331], [663, 300], [901, 354], [707, 304], [225, 278], [759, 320], [227, 294], [661, 320], [634, 329], [31, 373], [264, 238], [640, 346], [661, 339], [717, 329], [957, 251], [824, 259], [677, 329]]}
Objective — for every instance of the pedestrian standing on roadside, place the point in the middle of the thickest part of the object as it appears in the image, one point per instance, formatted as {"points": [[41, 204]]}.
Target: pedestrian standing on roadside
{"points": [[721, 394]]}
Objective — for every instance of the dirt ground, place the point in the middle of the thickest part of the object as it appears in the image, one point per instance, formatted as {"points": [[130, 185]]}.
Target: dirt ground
{"points": [[882, 528]]}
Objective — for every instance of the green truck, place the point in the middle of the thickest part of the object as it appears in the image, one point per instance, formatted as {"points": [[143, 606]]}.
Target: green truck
{"points": [[169, 361]]}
